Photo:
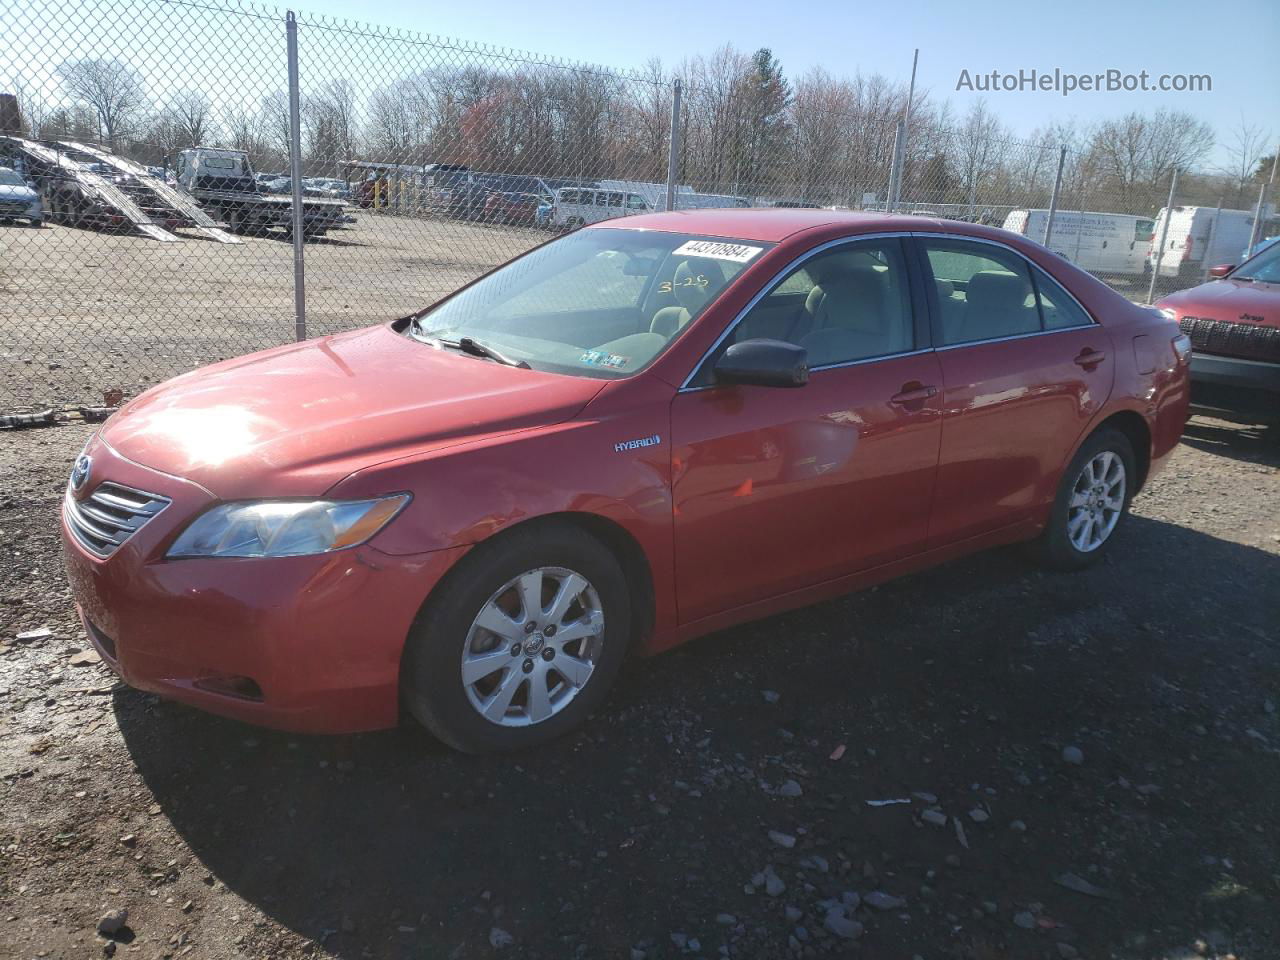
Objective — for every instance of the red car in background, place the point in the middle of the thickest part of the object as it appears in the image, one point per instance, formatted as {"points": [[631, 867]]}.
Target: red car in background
{"points": [[643, 431], [511, 209], [1234, 325]]}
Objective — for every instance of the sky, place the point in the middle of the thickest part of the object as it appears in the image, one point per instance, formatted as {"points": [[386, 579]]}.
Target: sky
{"points": [[1236, 43]]}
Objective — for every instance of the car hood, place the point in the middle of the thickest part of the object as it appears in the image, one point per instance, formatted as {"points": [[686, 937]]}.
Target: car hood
{"points": [[1235, 301], [295, 420], [11, 191]]}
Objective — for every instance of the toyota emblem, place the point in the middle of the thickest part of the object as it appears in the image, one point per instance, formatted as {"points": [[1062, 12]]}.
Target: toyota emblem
{"points": [[80, 472]]}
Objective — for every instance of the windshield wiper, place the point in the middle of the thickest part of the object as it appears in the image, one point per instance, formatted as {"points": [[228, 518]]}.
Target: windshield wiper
{"points": [[477, 349], [468, 345]]}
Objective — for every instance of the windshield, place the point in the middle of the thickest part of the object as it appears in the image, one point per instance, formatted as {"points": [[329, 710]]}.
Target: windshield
{"points": [[596, 303], [1264, 267], [10, 179]]}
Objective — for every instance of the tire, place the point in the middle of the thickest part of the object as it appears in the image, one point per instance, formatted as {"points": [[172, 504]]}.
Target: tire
{"points": [[1068, 542], [488, 581]]}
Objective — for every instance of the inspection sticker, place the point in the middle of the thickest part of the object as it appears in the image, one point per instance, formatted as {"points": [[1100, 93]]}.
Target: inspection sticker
{"points": [[716, 250], [598, 358]]}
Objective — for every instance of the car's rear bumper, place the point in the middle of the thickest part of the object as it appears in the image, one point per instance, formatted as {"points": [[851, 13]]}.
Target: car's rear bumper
{"points": [[1233, 385], [310, 644]]}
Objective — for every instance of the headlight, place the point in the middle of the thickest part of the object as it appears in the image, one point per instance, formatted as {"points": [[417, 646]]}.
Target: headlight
{"points": [[285, 528], [1169, 313]]}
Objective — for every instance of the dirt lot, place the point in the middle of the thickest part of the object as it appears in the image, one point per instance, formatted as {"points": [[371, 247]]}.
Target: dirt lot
{"points": [[82, 310], [649, 835]]}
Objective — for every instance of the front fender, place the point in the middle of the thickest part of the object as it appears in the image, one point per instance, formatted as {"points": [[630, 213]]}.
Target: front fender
{"points": [[465, 494]]}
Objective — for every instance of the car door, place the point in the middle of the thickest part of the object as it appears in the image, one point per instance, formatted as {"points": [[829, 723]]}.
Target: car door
{"points": [[774, 488], [1139, 246], [1024, 369]]}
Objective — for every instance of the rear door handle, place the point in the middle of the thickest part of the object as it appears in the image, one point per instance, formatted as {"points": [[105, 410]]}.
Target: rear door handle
{"points": [[1089, 358], [913, 395]]}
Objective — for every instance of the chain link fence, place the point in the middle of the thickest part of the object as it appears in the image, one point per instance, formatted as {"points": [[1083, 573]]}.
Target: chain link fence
{"points": [[154, 143]]}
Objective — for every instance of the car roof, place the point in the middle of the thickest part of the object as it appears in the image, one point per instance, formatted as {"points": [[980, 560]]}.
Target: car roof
{"points": [[774, 224]]}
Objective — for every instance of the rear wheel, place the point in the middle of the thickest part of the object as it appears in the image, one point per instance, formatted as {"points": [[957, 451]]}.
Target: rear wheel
{"points": [[521, 643], [1092, 501]]}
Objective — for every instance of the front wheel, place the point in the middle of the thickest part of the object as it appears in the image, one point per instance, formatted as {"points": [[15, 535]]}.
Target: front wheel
{"points": [[520, 643], [1092, 501]]}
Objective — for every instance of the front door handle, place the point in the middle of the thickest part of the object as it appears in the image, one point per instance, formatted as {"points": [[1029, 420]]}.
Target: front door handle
{"points": [[1088, 358], [913, 393]]}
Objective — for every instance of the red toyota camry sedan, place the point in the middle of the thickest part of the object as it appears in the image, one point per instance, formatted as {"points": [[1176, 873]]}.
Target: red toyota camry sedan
{"points": [[634, 434]]}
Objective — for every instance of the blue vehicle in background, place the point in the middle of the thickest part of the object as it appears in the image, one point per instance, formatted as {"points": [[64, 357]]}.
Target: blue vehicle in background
{"points": [[18, 200]]}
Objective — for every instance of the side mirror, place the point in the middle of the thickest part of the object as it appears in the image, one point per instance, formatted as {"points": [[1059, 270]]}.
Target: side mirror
{"points": [[764, 363], [1221, 270]]}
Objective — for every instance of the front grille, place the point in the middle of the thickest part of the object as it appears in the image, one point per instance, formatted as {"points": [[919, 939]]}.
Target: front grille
{"points": [[1244, 340], [109, 516], [11, 207]]}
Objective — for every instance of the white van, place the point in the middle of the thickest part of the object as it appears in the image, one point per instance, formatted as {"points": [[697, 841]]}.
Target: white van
{"points": [[1112, 244], [577, 206], [1203, 237]]}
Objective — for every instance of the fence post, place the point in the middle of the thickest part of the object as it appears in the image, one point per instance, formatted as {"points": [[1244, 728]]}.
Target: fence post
{"points": [[1208, 244], [1260, 212], [895, 167], [295, 174], [673, 147], [1053, 197], [1164, 235]]}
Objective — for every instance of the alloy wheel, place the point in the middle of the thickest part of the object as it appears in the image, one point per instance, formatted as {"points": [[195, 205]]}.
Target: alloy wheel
{"points": [[1097, 500], [532, 647]]}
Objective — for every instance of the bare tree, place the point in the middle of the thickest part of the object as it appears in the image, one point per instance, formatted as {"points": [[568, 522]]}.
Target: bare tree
{"points": [[331, 124], [1247, 146], [244, 130], [192, 114], [1137, 153], [111, 88], [32, 109]]}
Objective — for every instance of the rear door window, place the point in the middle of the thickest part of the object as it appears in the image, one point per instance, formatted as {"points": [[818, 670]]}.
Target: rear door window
{"points": [[983, 291], [1058, 308]]}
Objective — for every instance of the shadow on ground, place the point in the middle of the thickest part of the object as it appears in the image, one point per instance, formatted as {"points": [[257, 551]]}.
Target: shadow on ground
{"points": [[653, 820]]}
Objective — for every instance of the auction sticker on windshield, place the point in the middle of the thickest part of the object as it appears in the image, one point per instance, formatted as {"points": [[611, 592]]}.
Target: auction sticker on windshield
{"points": [[716, 250]]}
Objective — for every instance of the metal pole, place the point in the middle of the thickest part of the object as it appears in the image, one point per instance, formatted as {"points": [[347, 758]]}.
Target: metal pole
{"points": [[895, 167], [1164, 235], [911, 90], [1258, 215], [674, 146], [1208, 246], [295, 174], [1053, 197], [1255, 234]]}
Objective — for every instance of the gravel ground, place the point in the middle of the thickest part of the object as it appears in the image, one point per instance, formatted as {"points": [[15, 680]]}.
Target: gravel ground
{"points": [[1078, 765]]}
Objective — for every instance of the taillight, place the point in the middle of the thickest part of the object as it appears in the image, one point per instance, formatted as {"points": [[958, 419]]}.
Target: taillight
{"points": [[1186, 249]]}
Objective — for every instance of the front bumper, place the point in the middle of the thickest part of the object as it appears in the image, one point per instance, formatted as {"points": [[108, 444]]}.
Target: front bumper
{"points": [[309, 644], [1232, 385]]}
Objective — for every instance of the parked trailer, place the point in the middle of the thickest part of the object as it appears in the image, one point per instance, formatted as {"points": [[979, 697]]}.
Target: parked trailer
{"points": [[223, 183], [77, 195], [200, 221]]}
